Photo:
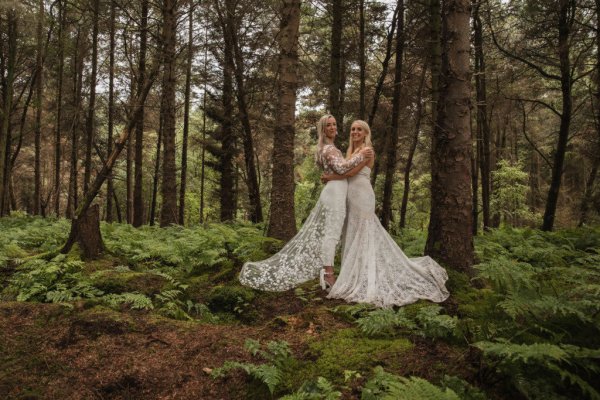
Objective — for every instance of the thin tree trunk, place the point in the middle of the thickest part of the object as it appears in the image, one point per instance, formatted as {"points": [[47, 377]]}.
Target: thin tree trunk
{"points": [[203, 156], [168, 212], [411, 151], [78, 83], [247, 140], [483, 128], [39, 81], [138, 189], [392, 142], [361, 59], [186, 115], [156, 173], [91, 194], [91, 114], [435, 51], [450, 235], [7, 103], [226, 167], [111, 111], [59, 95], [335, 66], [589, 184], [566, 18], [282, 222]]}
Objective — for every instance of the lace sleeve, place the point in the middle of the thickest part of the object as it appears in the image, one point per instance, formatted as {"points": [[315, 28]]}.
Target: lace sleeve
{"points": [[338, 164]]}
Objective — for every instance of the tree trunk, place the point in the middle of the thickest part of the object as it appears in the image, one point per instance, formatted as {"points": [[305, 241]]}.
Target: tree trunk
{"points": [[7, 103], [91, 114], [38, 112], [435, 51], [168, 212], [59, 94], [231, 35], [203, 156], [566, 18], [362, 62], [77, 86], [411, 151], [111, 110], [138, 189], [450, 236], [282, 221], [186, 115], [226, 189], [392, 143], [589, 184], [483, 127], [91, 194], [335, 66], [156, 173]]}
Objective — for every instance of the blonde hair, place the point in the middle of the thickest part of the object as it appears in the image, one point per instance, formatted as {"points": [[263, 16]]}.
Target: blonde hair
{"points": [[321, 125], [368, 142]]}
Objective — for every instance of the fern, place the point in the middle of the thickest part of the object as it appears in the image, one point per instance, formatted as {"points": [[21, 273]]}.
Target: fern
{"points": [[384, 322], [136, 301], [278, 355], [386, 386], [546, 357], [322, 389], [436, 325]]}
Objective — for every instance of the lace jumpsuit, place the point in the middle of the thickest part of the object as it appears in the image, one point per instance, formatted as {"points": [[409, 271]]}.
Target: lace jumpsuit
{"points": [[314, 246]]}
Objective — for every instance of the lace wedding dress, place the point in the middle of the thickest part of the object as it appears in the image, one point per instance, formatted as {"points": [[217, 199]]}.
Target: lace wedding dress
{"points": [[313, 247], [374, 269]]}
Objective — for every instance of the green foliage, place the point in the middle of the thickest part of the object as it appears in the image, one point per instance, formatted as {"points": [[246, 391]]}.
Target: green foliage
{"points": [[427, 322], [278, 356], [557, 363], [540, 325], [236, 299], [321, 389], [509, 197], [57, 280], [136, 301], [386, 386]]}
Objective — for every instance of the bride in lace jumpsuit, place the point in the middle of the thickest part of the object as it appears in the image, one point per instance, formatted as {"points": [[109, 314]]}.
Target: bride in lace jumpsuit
{"points": [[313, 247], [374, 269]]}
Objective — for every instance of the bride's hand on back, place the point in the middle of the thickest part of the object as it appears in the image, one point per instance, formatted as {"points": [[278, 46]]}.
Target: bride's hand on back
{"points": [[367, 152]]}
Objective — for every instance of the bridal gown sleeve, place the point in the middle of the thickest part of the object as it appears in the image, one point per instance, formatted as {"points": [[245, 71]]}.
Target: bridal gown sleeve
{"points": [[335, 162]]}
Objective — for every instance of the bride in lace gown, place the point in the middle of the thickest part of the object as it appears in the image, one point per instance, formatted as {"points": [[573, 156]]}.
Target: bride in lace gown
{"points": [[374, 269], [313, 248]]}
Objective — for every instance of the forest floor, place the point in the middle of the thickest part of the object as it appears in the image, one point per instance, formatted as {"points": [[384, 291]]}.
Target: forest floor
{"points": [[136, 325]]}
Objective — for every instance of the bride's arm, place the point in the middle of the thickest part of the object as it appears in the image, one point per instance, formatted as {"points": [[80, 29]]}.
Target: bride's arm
{"points": [[333, 158], [336, 177]]}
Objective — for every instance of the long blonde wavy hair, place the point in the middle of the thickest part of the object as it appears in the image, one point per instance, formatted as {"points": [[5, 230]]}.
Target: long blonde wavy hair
{"points": [[321, 125], [368, 142]]}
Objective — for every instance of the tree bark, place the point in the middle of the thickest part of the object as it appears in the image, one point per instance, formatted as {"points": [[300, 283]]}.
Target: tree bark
{"points": [[91, 114], [168, 211], [335, 66], [392, 142], [483, 127], [565, 22], [7, 103], [450, 236], [282, 221], [91, 194], [156, 173], [38, 112], [186, 115], [77, 86], [59, 95], [231, 36], [111, 110], [138, 189], [362, 62], [411, 151]]}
